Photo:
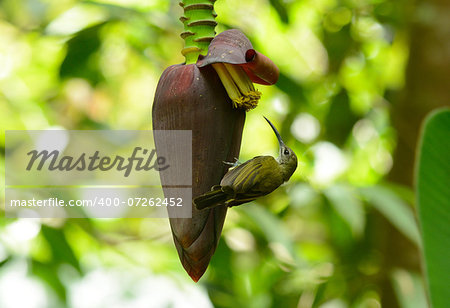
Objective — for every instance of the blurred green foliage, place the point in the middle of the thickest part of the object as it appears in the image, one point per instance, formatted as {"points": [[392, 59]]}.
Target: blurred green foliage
{"points": [[313, 243]]}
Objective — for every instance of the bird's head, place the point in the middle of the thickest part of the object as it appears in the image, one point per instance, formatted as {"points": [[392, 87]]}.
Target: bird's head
{"points": [[287, 158]]}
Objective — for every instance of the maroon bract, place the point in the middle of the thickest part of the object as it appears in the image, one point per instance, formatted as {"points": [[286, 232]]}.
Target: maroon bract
{"points": [[193, 98], [233, 47]]}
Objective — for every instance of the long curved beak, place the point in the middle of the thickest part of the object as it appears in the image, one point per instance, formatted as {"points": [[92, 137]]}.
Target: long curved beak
{"points": [[280, 141]]}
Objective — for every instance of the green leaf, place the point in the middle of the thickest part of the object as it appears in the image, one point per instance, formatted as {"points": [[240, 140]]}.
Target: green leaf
{"points": [[409, 289], [61, 250], [340, 119], [394, 209], [433, 199], [80, 52], [280, 8], [347, 206]]}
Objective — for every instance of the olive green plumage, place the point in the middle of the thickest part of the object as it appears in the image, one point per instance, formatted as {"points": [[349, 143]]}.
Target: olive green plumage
{"points": [[256, 177]]}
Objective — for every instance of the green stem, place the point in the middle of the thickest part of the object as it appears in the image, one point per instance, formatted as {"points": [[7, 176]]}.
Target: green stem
{"points": [[199, 23]]}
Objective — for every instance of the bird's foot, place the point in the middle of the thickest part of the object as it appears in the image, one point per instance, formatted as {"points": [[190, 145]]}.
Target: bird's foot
{"points": [[236, 163]]}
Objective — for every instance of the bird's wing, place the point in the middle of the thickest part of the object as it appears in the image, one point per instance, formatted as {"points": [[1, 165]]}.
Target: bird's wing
{"points": [[242, 178]]}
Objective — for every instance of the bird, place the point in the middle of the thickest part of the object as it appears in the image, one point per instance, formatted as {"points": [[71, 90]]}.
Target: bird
{"points": [[252, 179]]}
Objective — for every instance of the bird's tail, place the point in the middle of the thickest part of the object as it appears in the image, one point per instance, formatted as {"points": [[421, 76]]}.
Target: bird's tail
{"points": [[210, 199]]}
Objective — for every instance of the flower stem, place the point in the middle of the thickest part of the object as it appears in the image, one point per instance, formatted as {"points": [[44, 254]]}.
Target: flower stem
{"points": [[199, 23]]}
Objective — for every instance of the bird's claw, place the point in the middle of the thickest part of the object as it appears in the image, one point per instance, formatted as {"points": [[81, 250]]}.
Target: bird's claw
{"points": [[236, 163]]}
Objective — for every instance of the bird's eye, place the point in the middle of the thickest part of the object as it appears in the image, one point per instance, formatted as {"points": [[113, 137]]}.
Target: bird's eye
{"points": [[286, 152]]}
